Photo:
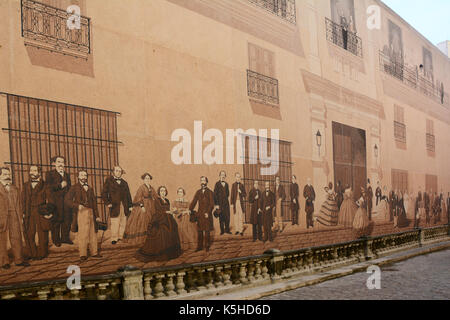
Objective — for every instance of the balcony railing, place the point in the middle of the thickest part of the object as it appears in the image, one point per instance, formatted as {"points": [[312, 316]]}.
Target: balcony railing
{"points": [[431, 142], [400, 131], [343, 38], [395, 67], [262, 88], [283, 8], [45, 27]]}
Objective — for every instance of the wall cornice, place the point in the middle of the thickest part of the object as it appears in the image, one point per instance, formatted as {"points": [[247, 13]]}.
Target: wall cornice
{"points": [[338, 94], [251, 19]]}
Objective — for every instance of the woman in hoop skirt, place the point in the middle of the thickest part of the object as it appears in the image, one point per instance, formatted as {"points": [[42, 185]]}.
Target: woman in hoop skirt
{"points": [[162, 242], [144, 208], [361, 221], [348, 209], [328, 215]]}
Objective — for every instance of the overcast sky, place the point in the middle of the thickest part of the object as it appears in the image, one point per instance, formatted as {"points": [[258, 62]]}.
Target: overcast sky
{"points": [[430, 17]]}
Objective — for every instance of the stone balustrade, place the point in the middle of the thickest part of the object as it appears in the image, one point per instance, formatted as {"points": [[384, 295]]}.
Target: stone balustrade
{"points": [[199, 280]]}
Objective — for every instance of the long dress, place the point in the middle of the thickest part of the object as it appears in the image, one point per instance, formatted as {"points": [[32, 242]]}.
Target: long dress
{"points": [[162, 242], [329, 212], [361, 221], [186, 229], [402, 219], [137, 223], [348, 209]]}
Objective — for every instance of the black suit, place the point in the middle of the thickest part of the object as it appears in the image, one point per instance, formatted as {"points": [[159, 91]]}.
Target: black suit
{"points": [[33, 222], [63, 219], [116, 194], [221, 195]]}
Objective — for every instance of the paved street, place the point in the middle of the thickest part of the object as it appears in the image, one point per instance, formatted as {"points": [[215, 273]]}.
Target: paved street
{"points": [[421, 278]]}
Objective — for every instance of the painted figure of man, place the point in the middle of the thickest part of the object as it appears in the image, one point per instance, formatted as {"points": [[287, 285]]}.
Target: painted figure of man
{"points": [[427, 207], [378, 193], [280, 196], [10, 221], [268, 204], [339, 194], [221, 195], [238, 196], [83, 201], [310, 196], [369, 199], [204, 197], [254, 199], [116, 196], [57, 183], [294, 193], [33, 196]]}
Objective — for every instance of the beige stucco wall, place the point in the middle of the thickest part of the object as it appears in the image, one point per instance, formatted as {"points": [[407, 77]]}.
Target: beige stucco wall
{"points": [[163, 66]]}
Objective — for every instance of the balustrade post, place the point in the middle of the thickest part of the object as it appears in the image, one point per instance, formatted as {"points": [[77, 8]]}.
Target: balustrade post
{"points": [[43, 294], [59, 293], [219, 276], [180, 282], [227, 275], [102, 290], [148, 287], [209, 277], [243, 273], [258, 270], [133, 288], [275, 264], [169, 285], [368, 243], [159, 289]]}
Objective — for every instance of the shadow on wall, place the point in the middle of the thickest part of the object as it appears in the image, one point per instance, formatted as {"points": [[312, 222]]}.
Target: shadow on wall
{"points": [[59, 61]]}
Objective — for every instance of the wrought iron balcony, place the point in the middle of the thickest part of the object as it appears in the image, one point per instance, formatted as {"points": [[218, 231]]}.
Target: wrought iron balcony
{"points": [[395, 67], [45, 27], [343, 38], [431, 142], [262, 88], [400, 131], [283, 8]]}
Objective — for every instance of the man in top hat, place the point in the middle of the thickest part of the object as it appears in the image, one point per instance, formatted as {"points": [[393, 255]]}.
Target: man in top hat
{"points": [[117, 197], [280, 196], [369, 194], [295, 205]]}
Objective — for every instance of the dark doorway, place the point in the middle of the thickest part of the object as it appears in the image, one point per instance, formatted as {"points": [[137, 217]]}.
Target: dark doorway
{"points": [[349, 153]]}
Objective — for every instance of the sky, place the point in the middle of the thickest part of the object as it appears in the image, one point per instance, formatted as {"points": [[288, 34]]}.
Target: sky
{"points": [[430, 17]]}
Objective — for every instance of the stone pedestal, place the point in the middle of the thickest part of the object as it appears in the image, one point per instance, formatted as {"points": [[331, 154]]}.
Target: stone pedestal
{"points": [[132, 283]]}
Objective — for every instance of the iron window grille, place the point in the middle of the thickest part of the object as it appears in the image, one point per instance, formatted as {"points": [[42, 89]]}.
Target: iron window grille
{"points": [[345, 39], [395, 67], [400, 131], [262, 88], [41, 129], [431, 142], [45, 27], [252, 172], [284, 9]]}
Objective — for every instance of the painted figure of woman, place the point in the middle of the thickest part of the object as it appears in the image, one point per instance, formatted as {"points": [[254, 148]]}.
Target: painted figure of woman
{"points": [[361, 221], [143, 210], [163, 241], [402, 220], [348, 209], [328, 214], [186, 229]]}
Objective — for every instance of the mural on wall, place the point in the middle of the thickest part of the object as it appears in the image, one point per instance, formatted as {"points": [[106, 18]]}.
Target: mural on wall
{"points": [[76, 207], [427, 64], [343, 13]]}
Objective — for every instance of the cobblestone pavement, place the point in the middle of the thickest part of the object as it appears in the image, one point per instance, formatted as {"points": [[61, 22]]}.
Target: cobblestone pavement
{"points": [[424, 277]]}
